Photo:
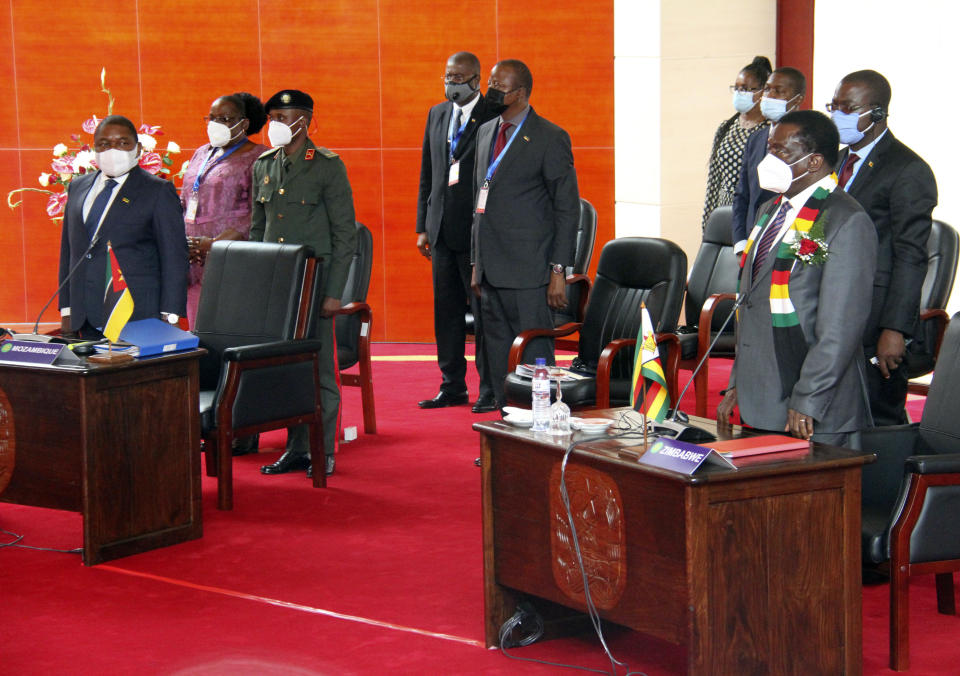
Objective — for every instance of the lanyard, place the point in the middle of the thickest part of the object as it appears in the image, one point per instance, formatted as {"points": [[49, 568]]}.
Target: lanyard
{"points": [[492, 169], [454, 139], [200, 174]]}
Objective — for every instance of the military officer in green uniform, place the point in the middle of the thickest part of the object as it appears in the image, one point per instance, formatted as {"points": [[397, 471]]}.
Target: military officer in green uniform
{"points": [[301, 195]]}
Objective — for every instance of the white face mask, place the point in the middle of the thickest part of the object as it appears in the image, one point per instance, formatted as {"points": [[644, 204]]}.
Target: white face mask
{"points": [[775, 174], [220, 134], [280, 134], [115, 162]]}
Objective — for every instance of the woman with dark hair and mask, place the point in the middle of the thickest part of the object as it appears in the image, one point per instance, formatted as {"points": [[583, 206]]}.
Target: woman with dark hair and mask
{"points": [[732, 135], [216, 184]]}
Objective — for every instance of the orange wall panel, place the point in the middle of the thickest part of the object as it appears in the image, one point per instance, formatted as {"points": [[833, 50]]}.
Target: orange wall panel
{"points": [[373, 67]]}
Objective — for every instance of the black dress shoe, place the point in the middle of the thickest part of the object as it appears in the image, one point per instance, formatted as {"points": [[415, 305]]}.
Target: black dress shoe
{"points": [[329, 463], [444, 399], [245, 445], [288, 462], [485, 404]]}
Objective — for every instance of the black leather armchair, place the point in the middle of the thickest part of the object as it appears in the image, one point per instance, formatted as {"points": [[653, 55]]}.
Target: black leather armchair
{"points": [[921, 355], [257, 374], [911, 498], [631, 271], [711, 292]]}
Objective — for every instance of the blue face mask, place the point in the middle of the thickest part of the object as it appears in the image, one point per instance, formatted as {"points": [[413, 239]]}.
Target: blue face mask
{"points": [[743, 101], [774, 109], [846, 124]]}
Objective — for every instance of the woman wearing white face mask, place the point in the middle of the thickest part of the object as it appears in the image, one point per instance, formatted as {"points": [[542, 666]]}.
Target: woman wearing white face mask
{"points": [[732, 135], [216, 185]]}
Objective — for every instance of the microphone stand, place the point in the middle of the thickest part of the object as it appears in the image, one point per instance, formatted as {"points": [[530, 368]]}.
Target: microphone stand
{"points": [[678, 427], [36, 336]]}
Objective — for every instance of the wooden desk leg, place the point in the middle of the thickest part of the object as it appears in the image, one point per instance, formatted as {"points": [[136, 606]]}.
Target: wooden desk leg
{"points": [[498, 602]]}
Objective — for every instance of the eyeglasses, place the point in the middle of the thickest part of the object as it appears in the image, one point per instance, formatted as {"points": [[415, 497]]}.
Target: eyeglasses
{"points": [[735, 88], [229, 121], [842, 107]]}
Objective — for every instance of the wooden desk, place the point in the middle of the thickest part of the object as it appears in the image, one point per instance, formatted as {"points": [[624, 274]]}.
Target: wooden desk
{"points": [[120, 444], [755, 570]]}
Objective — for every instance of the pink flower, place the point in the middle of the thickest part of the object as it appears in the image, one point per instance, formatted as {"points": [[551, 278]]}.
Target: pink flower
{"points": [[90, 125], [63, 165], [152, 129], [151, 162], [56, 203]]}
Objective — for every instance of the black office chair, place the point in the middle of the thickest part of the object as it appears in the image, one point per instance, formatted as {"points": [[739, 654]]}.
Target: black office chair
{"points": [[353, 325], [631, 271], [578, 282], [921, 355], [257, 375], [911, 498], [711, 292]]}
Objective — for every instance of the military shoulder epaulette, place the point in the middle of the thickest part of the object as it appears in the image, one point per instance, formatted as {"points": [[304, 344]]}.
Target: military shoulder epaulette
{"points": [[326, 152], [272, 151]]}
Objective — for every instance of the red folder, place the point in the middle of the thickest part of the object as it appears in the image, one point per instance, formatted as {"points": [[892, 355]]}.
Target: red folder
{"points": [[765, 443]]}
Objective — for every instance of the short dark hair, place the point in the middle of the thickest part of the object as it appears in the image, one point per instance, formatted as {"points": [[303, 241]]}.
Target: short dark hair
{"points": [[877, 85], [118, 120], [252, 109], [797, 79], [467, 58], [760, 68], [524, 76], [817, 133]]}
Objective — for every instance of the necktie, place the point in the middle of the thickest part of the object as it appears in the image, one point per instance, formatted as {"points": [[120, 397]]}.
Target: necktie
{"points": [[98, 206], [769, 236], [847, 170], [501, 139], [455, 132]]}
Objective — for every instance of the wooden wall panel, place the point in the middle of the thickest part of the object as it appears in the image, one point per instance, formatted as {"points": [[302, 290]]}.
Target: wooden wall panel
{"points": [[373, 68]]}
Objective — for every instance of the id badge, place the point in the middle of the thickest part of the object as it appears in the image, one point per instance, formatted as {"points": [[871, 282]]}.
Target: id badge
{"points": [[454, 176], [191, 214], [482, 198]]}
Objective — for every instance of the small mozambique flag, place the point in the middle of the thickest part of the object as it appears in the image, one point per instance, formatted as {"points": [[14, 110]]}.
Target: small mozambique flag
{"points": [[117, 301], [646, 367]]}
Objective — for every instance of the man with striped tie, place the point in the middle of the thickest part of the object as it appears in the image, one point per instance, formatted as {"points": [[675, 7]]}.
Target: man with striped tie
{"points": [[807, 277]]}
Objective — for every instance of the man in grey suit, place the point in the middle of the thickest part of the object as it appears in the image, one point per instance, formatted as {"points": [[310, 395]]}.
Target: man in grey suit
{"points": [[525, 219], [807, 278]]}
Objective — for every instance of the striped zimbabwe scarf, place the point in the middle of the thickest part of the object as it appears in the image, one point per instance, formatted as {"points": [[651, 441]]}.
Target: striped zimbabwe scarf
{"points": [[789, 345]]}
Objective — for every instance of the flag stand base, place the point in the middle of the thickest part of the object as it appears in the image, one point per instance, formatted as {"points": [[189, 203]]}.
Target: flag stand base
{"points": [[109, 358]]}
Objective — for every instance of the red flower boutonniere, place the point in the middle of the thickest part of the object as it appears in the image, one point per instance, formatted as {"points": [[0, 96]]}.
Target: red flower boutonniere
{"points": [[811, 248]]}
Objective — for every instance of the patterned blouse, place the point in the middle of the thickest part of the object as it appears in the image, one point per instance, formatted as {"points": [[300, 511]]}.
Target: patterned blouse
{"points": [[725, 162]]}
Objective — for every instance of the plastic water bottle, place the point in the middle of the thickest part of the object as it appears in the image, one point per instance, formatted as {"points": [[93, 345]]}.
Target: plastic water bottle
{"points": [[541, 397]]}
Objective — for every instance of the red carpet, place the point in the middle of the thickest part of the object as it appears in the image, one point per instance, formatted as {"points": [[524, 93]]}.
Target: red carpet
{"points": [[379, 573]]}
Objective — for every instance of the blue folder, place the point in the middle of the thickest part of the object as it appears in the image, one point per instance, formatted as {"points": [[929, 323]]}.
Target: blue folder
{"points": [[155, 336]]}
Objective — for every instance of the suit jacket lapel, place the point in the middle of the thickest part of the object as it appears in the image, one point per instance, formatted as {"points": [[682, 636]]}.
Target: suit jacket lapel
{"points": [[121, 203], [471, 129], [299, 165], [79, 191], [484, 144], [768, 263], [870, 164], [516, 148]]}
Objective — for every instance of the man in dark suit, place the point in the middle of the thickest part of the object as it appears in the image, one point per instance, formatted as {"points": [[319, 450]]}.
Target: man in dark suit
{"points": [[898, 190], [444, 217], [140, 215], [807, 274], [525, 219], [783, 92]]}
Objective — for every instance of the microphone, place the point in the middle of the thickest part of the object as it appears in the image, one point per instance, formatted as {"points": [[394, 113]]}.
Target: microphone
{"points": [[36, 336], [677, 425]]}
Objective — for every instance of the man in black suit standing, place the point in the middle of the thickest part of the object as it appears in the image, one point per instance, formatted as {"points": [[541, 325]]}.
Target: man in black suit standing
{"points": [[444, 217], [898, 190], [525, 219], [140, 215]]}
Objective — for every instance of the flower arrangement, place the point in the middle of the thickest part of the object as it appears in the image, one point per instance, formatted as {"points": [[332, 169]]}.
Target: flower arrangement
{"points": [[811, 248], [69, 162]]}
